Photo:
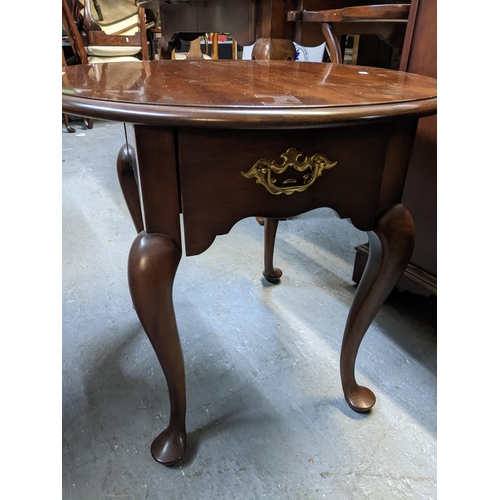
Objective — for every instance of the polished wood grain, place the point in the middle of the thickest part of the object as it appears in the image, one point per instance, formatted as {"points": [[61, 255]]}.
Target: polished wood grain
{"points": [[152, 265], [271, 273], [396, 12], [195, 136], [126, 167], [153, 261], [99, 38], [219, 196], [262, 94], [159, 183], [391, 245]]}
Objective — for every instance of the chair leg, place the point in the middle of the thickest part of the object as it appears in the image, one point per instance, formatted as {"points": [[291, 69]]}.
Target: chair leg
{"points": [[69, 128], [333, 44]]}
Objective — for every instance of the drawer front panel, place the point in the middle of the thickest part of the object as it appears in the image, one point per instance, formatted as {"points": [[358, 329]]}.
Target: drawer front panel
{"points": [[227, 175]]}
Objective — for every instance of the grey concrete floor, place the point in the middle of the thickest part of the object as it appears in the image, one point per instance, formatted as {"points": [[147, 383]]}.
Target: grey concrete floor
{"points": [[266, 417]]}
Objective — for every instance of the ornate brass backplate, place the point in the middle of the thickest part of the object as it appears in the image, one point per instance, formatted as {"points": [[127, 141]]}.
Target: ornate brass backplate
{"points": [[313, 167]]}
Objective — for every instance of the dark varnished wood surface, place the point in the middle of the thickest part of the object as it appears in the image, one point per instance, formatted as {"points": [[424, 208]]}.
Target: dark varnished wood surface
{"points": [[358, 13], [245, 94], [367, 180], [193, 144]]}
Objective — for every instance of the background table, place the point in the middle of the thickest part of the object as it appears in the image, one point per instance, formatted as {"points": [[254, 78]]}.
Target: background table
{"points": [[219, 141]]}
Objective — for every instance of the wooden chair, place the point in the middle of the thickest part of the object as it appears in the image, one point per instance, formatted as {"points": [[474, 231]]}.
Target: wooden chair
{"points": [[387, 21], [105, 31], [76, 41], [120, 36], [115, 31]]}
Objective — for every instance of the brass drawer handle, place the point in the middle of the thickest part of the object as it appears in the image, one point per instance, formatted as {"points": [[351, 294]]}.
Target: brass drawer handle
{"points": [[313, 167]]}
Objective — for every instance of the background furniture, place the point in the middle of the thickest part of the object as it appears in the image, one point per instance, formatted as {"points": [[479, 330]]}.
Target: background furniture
{"points": [[78, 50], [413, 29], [248, 20], [420, 193], [371, 49], [386, 21], [119, 36], [104, 31]]}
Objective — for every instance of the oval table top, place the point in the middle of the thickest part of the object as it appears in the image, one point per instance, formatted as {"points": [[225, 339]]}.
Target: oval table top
{"points": [[244, 94]]}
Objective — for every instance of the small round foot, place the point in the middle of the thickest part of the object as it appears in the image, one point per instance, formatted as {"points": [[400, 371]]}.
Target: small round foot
{"points": [[69, 128], [273, 278], [260, 220], [361, 399], [169, 447]]}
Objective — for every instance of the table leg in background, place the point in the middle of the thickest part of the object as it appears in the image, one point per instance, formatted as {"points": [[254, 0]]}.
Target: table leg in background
{"points": [[271, 273]]}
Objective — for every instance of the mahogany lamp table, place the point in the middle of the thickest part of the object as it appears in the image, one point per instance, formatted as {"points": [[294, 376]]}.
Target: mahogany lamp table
{"points": [[219, 141]]}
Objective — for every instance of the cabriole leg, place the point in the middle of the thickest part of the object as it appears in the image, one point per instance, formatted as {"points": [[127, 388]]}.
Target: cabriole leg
{"points": [[152, 265], [126, 167], [391, 246], [271, 273]]}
